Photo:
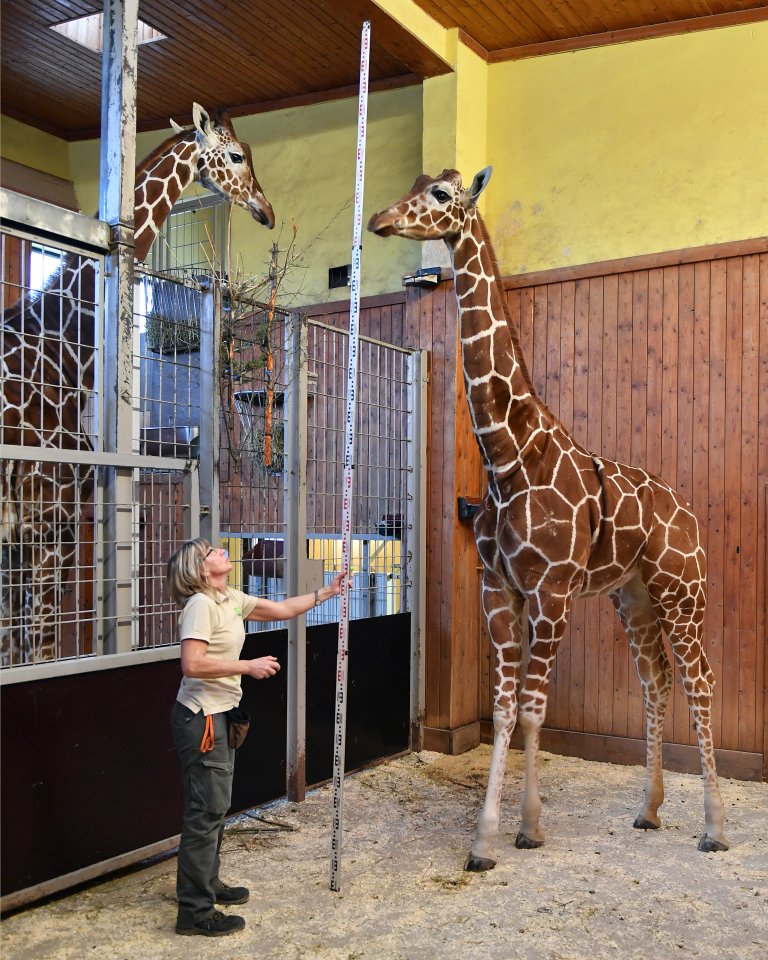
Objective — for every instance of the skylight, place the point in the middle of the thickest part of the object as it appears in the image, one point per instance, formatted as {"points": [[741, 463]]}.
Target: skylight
{"points": [[88, 31]]}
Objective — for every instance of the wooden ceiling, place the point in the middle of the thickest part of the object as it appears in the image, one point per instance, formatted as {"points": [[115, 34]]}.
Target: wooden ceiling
{"points": [[510, 29], [257, 55]]}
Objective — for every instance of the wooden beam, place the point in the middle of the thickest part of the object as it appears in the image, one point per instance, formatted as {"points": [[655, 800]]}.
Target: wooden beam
{"points": [[645, 261], [650, 32]]}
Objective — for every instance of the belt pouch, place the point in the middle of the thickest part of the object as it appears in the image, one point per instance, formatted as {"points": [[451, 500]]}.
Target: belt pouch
{"points": [[238, 722]]}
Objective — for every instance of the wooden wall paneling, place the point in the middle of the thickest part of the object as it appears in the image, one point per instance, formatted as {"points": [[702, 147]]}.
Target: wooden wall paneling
{"points": [[577, 634], [625, 679], [761, 672], [559, 710], [608, 618], [700, 443], [749, 716], [551, 330], [466, 613], [450, 689], [438, 663], [732, 532], [677, 715], [538, 351], [716, 520], [593, 408]]}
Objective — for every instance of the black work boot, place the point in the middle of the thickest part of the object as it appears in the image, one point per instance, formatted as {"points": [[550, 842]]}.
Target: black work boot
{"points": [[228, 896], [217, 925]]}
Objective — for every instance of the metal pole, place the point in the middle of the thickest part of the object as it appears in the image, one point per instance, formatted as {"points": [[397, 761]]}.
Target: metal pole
{"points": [[296, 540], [116, 203], [205, 510], [349, 453]]}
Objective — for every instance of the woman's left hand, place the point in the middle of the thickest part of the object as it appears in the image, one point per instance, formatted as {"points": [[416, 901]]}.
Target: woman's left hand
{"points": [[336, 583]]}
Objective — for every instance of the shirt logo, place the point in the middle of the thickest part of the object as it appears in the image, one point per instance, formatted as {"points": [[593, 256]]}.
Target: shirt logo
{"points": [[238, 612]]}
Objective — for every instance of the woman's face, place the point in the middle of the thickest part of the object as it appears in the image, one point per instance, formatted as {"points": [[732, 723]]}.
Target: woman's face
{"points": [[217, 562]]}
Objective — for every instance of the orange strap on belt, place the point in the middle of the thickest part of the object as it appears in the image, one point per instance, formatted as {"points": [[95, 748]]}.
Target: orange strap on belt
{"points": [[206, 743]]}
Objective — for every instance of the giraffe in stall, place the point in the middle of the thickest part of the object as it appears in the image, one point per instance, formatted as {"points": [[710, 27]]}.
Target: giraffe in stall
{"points": [[49, 358], [558, 523]]}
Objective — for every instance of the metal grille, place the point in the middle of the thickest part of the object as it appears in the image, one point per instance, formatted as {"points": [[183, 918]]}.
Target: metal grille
{"points": [[89, 521], [379, 517], [192, 240], [167, 366], [253, 385], [51, 326]]}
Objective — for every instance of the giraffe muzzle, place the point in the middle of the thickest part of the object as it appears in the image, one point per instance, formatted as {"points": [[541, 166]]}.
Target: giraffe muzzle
{"points": [[263, 212], [383, 224]]}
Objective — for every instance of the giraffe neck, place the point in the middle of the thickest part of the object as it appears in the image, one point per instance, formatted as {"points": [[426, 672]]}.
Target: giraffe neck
{"points": [[160, 181], [502, 401]]}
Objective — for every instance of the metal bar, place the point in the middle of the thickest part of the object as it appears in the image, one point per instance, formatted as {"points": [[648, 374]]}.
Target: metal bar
{"points": [[89, 458], [70, 227], [210, 402], [416, 538], [361, 337], [116, 201], [296, 538], [349, 454]]}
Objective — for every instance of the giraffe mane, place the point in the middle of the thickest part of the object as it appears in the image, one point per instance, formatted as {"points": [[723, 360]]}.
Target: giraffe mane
{"points": [[162, 148], [513, 327]]}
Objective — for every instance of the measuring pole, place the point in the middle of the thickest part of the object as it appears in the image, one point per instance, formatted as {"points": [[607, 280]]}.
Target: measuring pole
{"points": [[349, 453]]}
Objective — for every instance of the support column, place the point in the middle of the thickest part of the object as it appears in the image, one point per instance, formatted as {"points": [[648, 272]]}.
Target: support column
{"points": [[116, 207]]}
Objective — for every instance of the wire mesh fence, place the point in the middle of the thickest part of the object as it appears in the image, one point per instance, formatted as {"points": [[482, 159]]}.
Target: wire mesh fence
{"points": [[73, 538]]}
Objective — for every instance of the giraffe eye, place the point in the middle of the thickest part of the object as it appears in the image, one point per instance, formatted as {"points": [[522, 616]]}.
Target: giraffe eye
{"points": [[236, 157], [441, 196]]}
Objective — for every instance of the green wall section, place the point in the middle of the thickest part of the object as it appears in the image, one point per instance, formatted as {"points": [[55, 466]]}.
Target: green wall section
{"points": [[598, 154], [629, 149], [305, 161], [33, 148]]}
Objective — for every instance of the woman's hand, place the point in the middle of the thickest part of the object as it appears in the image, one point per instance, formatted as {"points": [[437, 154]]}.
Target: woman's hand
{"points": [[262, 667]]}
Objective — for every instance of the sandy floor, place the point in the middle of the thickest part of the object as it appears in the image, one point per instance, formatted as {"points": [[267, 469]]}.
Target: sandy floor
{"points": [[597, 888]]}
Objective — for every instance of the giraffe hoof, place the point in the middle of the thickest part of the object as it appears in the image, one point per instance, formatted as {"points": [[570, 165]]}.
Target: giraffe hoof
{"points": [[525, 843], [642, 824], [708, 845], [479, 864]]}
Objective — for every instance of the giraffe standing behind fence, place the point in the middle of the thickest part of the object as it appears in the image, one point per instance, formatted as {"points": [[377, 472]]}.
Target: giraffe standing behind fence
{"points": [[49, 359], [558, 523]]}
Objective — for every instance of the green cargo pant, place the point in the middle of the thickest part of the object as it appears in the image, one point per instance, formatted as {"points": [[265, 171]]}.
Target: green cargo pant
{"points": [[207, 779]]}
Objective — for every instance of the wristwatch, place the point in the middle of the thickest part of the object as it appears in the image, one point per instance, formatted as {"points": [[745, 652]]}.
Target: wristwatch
{"points": [[317, 596]]}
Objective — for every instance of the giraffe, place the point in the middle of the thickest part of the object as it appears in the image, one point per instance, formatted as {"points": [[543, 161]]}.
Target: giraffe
{"points": [[559, 522], [49, 372]]}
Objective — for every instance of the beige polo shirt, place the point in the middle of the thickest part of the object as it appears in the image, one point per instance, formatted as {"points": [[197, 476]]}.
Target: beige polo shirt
{"points": [[220, 624]]}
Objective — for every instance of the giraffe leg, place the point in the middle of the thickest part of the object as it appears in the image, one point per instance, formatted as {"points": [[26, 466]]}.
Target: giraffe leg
{"points": [[645, 640], [504, 612], [548, 616], [681, 603]]}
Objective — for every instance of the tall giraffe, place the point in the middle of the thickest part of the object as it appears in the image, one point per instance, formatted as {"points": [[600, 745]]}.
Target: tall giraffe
{"points": [[49, 372], [558, 523]]}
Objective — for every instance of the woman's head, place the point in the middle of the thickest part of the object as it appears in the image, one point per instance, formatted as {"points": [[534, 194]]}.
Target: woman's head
{"points": [[187, 573]]}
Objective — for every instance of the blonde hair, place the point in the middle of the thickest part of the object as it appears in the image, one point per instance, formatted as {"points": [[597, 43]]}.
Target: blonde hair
{"points": [[185, 573]]}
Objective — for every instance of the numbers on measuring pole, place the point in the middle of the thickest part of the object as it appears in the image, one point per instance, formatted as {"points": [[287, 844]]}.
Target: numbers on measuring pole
{"points": [[349, 456]]}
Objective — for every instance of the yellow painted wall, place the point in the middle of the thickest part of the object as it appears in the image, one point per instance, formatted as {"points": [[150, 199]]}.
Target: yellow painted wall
{"points": [[33, 148], [305, 160], [629, 149]]}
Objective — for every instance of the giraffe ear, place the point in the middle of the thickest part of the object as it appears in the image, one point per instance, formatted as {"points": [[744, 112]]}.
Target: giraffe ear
{"points": [[175, 127], [478, 185], [203, 125]]}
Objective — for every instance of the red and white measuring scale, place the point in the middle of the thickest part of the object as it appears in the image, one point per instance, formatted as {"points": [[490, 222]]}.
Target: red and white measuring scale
{"points": [[349, 454]]}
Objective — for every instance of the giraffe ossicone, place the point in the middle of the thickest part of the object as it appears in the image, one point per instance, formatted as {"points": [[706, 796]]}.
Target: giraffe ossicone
{"points": [[49, 375], [557, 523]]}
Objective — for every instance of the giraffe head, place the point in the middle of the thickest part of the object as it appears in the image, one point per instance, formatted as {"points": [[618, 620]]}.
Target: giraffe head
{"points": [[436, 208], [225, 165]]}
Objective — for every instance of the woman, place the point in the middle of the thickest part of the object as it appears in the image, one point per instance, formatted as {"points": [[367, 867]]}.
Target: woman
{"points": [[212, 635]]}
